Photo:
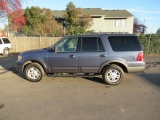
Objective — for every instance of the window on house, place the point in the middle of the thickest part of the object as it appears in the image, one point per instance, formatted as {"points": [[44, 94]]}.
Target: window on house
{"points": [[92, 44], [121, 23]]}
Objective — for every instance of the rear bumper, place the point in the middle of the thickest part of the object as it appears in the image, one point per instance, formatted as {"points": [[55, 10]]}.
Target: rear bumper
{"points": [[136, 67]]}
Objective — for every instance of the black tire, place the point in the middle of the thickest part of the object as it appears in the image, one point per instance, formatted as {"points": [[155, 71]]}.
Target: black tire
{"points": [[5, 52], [34, 72], [112, 74]]}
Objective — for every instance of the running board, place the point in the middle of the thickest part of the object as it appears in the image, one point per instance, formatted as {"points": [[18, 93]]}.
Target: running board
{"points": [[70, 75]]}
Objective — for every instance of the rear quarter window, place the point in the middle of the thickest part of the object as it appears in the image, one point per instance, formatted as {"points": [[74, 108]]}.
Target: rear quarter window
{"points": [[5, 40], [124, 43]]}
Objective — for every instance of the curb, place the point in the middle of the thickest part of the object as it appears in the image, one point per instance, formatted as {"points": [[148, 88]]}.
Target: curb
{"points": [[3, 71]]}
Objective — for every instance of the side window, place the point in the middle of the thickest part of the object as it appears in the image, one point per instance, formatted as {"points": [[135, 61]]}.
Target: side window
{"points": [[92, 44], [89, 44], [5, 40], [0, 41], [124, 43], [67, 45]]}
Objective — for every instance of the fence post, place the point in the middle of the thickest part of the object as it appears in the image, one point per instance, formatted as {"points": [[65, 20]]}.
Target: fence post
{"points": [[40, 42], [15, 43]]}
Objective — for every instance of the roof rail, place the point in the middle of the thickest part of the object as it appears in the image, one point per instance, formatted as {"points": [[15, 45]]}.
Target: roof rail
{"points": [[104, 33]]}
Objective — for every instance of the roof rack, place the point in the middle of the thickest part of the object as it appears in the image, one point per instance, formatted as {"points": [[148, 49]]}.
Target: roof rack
{"points": [[116, 33], [104, 33]]}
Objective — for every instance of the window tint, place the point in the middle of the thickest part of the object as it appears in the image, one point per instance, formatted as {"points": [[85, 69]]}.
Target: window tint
{"points": [[92, 44], [124, 43], [5, 40], [0, 41]]}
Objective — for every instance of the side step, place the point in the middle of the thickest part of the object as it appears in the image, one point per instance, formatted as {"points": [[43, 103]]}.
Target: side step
{"points": [[71, 75]]}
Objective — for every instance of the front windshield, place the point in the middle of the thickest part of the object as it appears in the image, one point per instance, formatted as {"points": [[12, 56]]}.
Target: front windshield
{"points": [[52, 46]]}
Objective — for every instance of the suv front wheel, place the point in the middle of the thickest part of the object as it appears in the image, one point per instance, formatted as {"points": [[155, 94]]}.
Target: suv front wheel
{"points": [[34, 72], [112, 74]]}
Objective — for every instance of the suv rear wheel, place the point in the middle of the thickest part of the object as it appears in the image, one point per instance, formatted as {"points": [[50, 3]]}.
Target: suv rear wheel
{"points": [[34, 72], [5, 52], [112, 74]]}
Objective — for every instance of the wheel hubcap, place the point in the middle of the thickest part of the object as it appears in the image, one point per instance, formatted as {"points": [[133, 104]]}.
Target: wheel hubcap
{"points": [[6, 52], [113, 75], [34, 73]]}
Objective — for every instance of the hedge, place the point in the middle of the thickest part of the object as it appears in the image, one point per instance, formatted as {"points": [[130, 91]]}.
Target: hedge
{"points": [[150, 43]]}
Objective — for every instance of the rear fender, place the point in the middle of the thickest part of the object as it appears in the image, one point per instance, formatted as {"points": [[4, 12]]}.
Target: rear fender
{"points": [[120, 62]]}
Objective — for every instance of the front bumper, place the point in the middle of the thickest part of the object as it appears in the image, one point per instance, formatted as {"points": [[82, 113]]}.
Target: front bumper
{"points": [[19, 67]]}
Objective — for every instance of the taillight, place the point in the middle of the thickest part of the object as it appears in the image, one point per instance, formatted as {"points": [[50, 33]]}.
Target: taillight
{"points": [[140, 56]]}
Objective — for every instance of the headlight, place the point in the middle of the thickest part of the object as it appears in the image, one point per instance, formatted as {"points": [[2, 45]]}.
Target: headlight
{"points": [[19, 58]]}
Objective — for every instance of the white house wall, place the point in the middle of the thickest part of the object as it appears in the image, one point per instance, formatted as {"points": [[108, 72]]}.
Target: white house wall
{"points": [[109, 25]]}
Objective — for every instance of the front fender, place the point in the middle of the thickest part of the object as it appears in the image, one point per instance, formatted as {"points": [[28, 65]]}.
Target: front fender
{"points": [[41, 62]]}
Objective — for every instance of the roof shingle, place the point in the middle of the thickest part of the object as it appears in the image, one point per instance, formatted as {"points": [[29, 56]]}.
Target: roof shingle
{"points": [[98, 11]]}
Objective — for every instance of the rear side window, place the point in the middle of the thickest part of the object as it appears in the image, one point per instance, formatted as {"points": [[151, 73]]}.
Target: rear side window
{"points": [[92, 44], [5, 40], [124, 43], [0, 41]]}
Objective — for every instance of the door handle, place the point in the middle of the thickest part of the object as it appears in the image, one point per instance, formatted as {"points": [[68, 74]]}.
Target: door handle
{"points": [[103, 55], [72, 56]]}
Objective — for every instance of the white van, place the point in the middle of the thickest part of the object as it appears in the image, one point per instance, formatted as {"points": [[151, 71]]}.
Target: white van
{"points": [[5, 46]]}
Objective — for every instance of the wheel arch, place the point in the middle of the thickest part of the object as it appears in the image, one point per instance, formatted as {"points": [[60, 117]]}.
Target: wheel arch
{"points": [[34, 61], [119, 63], [6, 48]]}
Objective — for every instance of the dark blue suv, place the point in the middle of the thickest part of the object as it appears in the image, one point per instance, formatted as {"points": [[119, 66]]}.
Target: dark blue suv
{"points": [[109, 55]]}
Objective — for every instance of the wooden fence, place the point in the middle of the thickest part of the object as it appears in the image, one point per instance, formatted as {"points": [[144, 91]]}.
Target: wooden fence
{"points": [[20, 44]]}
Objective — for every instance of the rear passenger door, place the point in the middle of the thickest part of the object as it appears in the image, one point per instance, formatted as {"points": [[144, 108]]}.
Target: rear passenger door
{"points": [[92, 54]]}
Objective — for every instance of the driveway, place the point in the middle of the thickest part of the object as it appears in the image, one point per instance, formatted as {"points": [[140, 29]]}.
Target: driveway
{"points": [[136, 98]]}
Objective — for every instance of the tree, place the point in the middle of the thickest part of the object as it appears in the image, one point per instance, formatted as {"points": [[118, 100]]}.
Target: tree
{"points": [[9, 6], [77, 22], [12, 9], [158, 31], [138, 27], [17, 21], [40, 22]]}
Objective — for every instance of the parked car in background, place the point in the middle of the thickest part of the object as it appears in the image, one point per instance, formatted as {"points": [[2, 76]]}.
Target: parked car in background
{"points": [[5, 46], [109, 55]]}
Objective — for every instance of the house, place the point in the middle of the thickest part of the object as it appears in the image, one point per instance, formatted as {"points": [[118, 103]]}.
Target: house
{"points": [[105, 20], [3, 34]]}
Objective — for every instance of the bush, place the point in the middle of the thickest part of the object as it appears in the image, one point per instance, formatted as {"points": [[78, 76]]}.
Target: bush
{"points": [[150, 43]]}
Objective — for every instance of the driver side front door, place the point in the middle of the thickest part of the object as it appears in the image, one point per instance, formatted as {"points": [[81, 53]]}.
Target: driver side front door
{"points": [[65, 59]]}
